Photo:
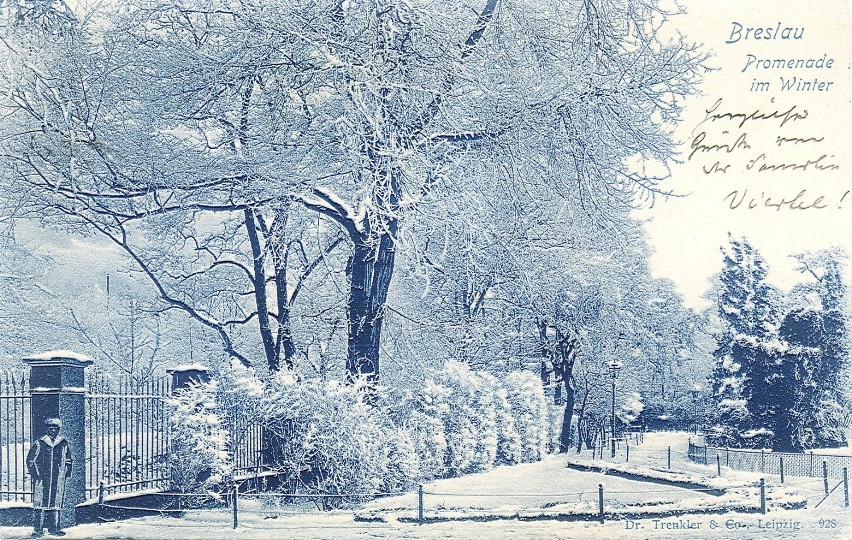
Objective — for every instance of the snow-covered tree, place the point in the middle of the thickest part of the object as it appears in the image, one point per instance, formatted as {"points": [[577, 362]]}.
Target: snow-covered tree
{"points": [[126, 331], [778, 376], [195, 129], [30, 320], [746, 350]]}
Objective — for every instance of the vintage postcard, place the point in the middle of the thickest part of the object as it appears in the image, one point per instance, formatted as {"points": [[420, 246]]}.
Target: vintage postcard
{"points": [[320, 269]]}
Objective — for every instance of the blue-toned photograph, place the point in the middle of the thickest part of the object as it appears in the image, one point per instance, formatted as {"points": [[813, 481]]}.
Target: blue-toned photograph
{"points": [[327, 269]]}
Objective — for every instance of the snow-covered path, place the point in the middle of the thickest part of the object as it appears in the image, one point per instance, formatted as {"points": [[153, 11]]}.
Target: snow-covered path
{"points": [[653, 452], [522, 487], [508, 490]]}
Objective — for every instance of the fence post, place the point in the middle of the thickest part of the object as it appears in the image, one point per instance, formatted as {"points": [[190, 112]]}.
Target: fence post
{"points": [[234, 492], [718, 465], [669, 461], [101, 490], [420, 504], [727, 457], [825, 476], [600, 503], [811, 473], [781, 465], [57, 391], [762, 496], [705, 454], [762, 461], [627, 459], [845, 488]]}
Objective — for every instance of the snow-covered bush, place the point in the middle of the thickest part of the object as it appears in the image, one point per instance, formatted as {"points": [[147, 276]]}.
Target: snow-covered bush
{"points": [[430, 444], [463, 402], [509, 448], [239, 395], [632, 408], [330, 441], [199, 452], [241, 391], [484, 390], [529, 408], [403, 463]]}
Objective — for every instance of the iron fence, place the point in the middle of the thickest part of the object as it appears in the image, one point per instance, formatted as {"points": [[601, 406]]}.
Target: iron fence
{"points": [[127, 435], [247, 440], [763, 461], [15, 437]]}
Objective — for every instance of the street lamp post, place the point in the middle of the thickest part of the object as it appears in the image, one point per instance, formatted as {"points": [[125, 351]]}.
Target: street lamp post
{"points": [[614, 368], [696, 393]]}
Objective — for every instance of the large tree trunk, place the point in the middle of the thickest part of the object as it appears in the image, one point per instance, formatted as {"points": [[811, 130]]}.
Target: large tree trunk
{"points": [[260, 295], [561, 351], [565, 434], [369, 270]]}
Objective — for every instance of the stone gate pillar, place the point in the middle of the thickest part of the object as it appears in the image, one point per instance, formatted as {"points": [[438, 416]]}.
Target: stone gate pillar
{"points": [[57, 391], [183, 376]]}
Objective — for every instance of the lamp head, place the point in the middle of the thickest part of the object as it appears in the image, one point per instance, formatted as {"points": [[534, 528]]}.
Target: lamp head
{"points": [[614, 367], [696, 391]]}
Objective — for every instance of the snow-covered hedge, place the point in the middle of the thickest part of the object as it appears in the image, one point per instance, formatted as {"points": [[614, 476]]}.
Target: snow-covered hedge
{"points": [[485, 422], [463, 402], [430, 443], [529, 408], [327, 440]]}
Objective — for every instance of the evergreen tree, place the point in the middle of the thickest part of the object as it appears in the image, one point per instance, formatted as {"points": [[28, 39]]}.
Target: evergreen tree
{"points": [[746, 356], [778, 376], [798, 392]]}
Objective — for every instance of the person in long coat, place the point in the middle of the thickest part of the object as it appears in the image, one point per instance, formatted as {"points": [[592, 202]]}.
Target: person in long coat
{"points": [[49, 463]]}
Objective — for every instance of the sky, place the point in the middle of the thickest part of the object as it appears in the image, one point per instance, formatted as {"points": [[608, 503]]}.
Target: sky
{"points": [[687, 232]]}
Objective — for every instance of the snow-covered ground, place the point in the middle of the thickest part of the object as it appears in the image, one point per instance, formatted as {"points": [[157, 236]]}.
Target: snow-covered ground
{"points": [[536, 489]]}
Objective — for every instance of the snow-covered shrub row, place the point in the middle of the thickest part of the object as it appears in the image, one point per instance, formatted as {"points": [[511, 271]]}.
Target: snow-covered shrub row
{"points": [[325, 439], [485, 423]]}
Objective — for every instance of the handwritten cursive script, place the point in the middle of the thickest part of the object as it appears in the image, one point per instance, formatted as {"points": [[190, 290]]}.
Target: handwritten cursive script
{"points": [[699, 145], [716, 113], [801, 201]]}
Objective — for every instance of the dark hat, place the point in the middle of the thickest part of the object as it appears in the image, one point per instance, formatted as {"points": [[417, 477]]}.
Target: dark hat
{"points": [[53, 422]]}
